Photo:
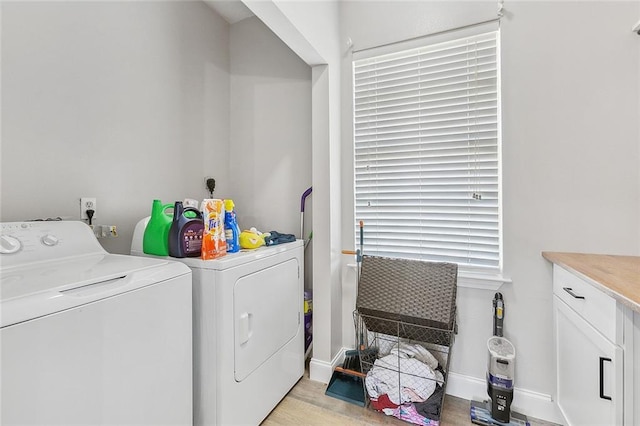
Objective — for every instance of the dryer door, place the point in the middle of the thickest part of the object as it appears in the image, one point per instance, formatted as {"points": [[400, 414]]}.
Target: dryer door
{"points": [[266, 310]]}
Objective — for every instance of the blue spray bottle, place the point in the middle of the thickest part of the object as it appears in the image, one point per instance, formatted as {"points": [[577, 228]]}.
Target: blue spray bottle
{"points": [[231, 229]]}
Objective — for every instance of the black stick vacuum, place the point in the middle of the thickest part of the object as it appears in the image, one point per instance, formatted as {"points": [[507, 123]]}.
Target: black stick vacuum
{"points": [[500, 372]]}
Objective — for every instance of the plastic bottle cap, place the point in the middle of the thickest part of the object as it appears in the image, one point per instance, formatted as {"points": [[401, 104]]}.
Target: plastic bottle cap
{"points": [[228, 205]]}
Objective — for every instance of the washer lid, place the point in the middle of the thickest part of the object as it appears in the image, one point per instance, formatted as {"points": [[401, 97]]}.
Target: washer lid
{"points": [[39, 289]]}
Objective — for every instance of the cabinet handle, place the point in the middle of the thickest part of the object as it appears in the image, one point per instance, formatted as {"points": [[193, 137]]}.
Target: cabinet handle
{"points": [[570, 291], [602, 395]]}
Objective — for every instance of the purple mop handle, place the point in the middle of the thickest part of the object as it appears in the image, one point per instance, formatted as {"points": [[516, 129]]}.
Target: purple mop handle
{"points": [[302, 200], [305, 194]]}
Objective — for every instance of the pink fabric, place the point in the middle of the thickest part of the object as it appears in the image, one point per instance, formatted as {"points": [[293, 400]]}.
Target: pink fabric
{"points": [[409, 414]]}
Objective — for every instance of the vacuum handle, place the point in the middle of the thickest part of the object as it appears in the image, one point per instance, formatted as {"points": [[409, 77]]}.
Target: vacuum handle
{"points": [[602, 395], [498, 315]]}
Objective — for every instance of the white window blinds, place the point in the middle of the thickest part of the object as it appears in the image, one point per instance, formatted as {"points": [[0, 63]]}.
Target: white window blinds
{"points": [[426, 135]]}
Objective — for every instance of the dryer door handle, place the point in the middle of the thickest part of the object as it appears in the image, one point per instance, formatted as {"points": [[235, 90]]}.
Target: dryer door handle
{"points": [[245, 327]]}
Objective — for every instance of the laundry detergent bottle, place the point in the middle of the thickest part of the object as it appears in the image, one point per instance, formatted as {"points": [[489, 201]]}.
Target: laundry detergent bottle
{"points": [[156, 234], [231, 229], [185, 234]]}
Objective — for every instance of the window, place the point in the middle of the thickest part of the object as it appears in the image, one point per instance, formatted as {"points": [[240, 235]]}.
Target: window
{"points": [[427, 152]]}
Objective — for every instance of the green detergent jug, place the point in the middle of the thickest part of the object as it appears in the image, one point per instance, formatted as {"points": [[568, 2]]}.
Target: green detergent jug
{"points": [[156, 234]]}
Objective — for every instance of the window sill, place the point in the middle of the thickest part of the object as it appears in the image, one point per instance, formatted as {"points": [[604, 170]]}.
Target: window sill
{"points": [[468, 279], [482, 281]]}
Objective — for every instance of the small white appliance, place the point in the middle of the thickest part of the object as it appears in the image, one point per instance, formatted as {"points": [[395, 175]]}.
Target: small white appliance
{"points": [[91, 338], [248, 331]]}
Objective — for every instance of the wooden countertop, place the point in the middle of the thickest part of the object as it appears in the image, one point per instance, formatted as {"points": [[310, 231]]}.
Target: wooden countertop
{"points": [[618, 276]]}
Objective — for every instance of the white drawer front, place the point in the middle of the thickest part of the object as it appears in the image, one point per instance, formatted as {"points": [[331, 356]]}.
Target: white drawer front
{"points": [[596, 307]]}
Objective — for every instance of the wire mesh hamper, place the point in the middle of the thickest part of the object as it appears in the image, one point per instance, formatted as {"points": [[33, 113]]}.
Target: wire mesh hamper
{"points": [[405, 324]]}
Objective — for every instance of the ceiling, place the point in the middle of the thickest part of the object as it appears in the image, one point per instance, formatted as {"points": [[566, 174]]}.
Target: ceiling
{"points": [[231, 10]]}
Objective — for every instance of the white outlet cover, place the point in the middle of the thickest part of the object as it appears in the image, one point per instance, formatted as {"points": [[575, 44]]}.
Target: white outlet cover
{"points": [[85, 204]]}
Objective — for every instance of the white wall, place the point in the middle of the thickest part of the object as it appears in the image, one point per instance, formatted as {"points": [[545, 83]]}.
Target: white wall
{"points": [[123, 101], [319, 23], [571, 154], [311, 30], [571, 149], [270, 112]]}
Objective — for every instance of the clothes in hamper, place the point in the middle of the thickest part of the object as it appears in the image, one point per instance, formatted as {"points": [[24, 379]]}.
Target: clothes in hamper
{"points": [[407, 350], [382, 402], [393, 373], [432, 406]]}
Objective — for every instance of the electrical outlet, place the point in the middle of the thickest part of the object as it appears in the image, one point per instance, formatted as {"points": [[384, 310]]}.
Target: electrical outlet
{"points": [[210, 184], [87, 204]]}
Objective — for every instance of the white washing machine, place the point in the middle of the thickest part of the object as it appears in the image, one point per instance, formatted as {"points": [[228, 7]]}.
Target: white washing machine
{"points": [[248, 331], [91, 338]]}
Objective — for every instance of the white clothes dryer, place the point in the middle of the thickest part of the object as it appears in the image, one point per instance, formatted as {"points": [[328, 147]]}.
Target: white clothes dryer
{"points": [[248, 330], [91, 338]]}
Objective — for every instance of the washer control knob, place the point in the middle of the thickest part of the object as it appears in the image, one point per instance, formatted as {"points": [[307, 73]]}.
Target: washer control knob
{"points": [[9, 244], [49, 240]]}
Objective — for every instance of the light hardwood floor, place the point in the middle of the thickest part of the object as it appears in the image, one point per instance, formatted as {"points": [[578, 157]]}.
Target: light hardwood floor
{"points": [[306, 404]]}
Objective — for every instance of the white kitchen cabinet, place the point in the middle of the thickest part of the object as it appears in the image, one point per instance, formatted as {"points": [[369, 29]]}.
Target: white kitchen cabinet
{"points": [[589, 371], [592, 335]]}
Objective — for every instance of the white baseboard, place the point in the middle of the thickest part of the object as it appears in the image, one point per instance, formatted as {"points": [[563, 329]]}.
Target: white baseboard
{"points": [[529, 403], [321, 371]]}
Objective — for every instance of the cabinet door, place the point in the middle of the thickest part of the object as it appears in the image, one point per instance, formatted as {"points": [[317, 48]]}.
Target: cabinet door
{"points": [[589, 369]]}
